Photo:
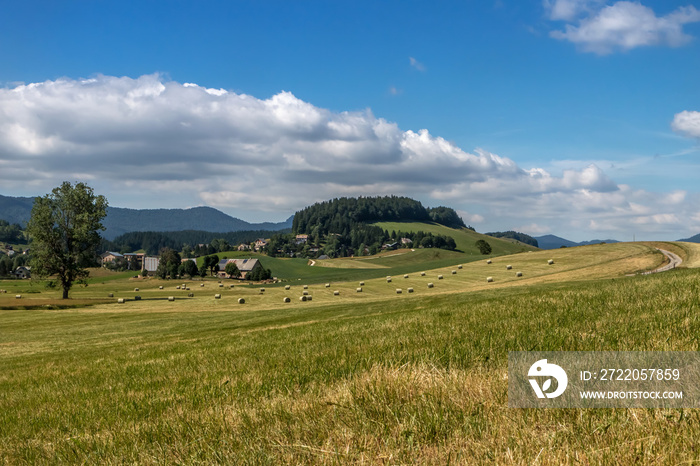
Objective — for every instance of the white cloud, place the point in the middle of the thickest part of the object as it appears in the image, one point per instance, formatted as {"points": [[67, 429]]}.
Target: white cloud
{"points": [[568, 10], [621, 26], [176, 145], [416, 64], [687, 123]]}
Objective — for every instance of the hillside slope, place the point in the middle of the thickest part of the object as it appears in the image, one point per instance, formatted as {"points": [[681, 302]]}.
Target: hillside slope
{"points": [[464, 237]]}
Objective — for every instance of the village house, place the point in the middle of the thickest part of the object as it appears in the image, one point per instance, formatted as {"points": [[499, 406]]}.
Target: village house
{"points": [[301, 239], [110, 256], [259, 244], [406, 241], [22, 272], [244, 247], [245, 266]]}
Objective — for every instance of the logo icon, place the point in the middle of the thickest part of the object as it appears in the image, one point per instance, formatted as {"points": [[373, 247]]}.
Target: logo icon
{"points": [[542, 369]]}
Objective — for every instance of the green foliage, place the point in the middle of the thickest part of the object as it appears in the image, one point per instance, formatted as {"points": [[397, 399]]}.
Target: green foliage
{"points": [[169, 265], [483, 246], [231, 270], [189, 268], [258, 274], [64, 230], [211, 263], [522, 237], [11, 233], [446, 216]]}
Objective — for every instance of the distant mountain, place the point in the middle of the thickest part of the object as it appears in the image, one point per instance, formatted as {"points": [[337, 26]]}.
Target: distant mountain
{"points": [[692, 239], [120, 220], [522, 237], [555, 242]]}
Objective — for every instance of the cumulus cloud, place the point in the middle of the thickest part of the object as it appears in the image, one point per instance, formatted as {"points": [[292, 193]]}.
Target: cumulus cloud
{"points": [[687, 123], [416, 64], [622, 26], [184, 144]]}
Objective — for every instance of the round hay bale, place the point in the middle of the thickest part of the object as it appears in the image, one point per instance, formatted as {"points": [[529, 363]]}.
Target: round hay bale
{"points": [[336, 293], [305, 293], [422, 274], [459, 266], [388, 280], [508, 267], [430, 285], [231, 286], [550, 261], [137, 298], [405, 276], [221, 285], [136, 289], [217, 296], [18, 296], [201, 285], [111, 295], [454, 272], [287, 287], [306, 287], [439, 277], [160, 287], [488, 261], [328, 285], [410, 290], [399, 291], [262, 290], [286, 300], [308, 298], [187, 289], [241, 301], [518, 274], [177, 287], [489, 279], [121, 301], [359, 290], [171, 298], [362, 283], [190, 295], [302, 299]]}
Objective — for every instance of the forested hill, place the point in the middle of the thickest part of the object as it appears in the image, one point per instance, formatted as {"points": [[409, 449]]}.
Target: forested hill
{"points": [[340, 216]]}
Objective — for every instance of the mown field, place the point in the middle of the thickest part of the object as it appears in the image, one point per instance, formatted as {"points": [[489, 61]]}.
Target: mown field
{"points": [[363, 378]]}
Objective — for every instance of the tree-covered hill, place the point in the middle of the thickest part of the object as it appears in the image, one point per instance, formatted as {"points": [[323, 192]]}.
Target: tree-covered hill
{"points": [[522, 237]]}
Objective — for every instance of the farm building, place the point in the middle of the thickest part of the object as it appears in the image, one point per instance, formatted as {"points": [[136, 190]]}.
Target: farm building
{"points": [[110, 256], [150, 264], [22, 272], [245, 266]]}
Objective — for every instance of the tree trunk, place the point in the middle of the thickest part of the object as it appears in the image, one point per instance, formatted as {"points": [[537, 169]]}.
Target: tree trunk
{"points": [[65, 293]]}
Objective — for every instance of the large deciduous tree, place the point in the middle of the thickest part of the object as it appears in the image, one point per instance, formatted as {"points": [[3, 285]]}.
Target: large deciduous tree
{"points": [[64, 228]]}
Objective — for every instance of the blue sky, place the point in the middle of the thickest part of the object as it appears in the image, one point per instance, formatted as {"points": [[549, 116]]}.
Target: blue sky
{"points": [[573, 117]]}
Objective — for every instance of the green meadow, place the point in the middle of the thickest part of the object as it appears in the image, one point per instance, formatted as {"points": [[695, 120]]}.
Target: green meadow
{"points": [[371, 377]]}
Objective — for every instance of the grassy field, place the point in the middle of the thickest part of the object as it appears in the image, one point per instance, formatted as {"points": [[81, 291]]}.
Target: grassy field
{"points": [[362, 378]]}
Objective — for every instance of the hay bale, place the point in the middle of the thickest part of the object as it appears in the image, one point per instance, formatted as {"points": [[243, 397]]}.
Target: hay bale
{"points": [[508, 267], [388, 280], [328, 285], [241, 301], [405, 276], [439, 277], [111, 295], [305, 293], [488, 261], [410, 290], [18, 296], [306, 287], [422, 274], [308, 298], [190, 295], [302, 299], [177, 287], [121, 301], [221, 285], [136, 289], [231, 286], [399, 291], [359, 290], [550, 261], [137, 298], [171, 298], [187, 289], [217, 296], [286, 300], [201, 285], [287, 287], [160, 287], [262, 290], [430, 285], [518, 274], [362, 283], [336, 293], [489, 279], [454, 272], [459, 266]]}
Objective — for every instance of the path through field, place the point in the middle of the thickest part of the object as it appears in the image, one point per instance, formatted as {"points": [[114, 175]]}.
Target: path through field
{"points": [[674, 261]]}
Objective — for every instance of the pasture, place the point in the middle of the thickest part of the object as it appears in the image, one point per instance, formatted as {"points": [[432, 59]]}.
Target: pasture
{"points": [[364, 378]]}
